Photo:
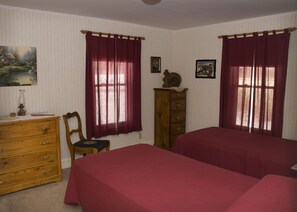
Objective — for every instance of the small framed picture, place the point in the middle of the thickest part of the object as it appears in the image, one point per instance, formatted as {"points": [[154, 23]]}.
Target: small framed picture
{"points": [[205, 69], [155, 64]]}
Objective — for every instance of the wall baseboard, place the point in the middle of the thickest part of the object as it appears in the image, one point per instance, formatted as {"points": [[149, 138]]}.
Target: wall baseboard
{"points": [[66, 163]]}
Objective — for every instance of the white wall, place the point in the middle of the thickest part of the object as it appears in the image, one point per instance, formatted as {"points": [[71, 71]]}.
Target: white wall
{"points": [[61, 64], [204, 94]]}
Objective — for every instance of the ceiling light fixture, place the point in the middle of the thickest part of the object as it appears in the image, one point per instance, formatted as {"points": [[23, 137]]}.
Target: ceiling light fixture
{"points": [[151, 2]]}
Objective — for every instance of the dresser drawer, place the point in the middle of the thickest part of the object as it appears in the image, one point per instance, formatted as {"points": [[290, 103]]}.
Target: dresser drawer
{"points": [[26, 176], [177, 95], [177, 104], [177, 128], [27, 160], [177, 117], [20, 146], [26, 129]]}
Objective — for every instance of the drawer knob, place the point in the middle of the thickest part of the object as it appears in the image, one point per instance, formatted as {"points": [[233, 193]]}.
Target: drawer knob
{"points": [[44, 142], [44, 129], [44, 157], [178, 118], [3, 164], [177, 105], [46, 171]]}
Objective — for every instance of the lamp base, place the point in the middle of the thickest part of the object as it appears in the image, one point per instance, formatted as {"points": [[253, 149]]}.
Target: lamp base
{"points": [[22, 111]]}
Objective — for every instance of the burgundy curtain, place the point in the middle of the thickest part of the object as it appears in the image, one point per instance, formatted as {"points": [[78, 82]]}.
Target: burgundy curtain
{"points": [[253, 82], [236, 70], [113, 85]]}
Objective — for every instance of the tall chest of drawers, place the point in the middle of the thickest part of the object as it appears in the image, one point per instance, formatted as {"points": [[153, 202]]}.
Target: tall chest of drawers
{"points": [[170, 116], [29, 153]]}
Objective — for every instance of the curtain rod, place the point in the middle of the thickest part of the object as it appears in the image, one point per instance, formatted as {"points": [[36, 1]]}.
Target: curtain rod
{"points": [[106, 34], [251, 33]]}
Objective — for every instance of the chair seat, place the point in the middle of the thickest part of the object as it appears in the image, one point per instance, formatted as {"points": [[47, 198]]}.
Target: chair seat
{"points": [[98, 144]]}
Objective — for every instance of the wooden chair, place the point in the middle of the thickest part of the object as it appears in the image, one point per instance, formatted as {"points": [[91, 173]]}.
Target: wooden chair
{"points": [[82, 146]]}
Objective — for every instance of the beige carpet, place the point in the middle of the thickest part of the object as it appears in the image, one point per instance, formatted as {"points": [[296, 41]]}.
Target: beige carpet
{"points": [[45, 198]]}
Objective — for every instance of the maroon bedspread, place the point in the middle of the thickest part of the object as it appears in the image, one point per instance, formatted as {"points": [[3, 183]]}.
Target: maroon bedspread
{"points": [[272, 194], [146, 178], [250, 154]]}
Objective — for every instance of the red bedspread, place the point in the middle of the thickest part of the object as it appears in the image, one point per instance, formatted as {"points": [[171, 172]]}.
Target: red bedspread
{"points": [[146, 178], [250, 154], [272, 194]]}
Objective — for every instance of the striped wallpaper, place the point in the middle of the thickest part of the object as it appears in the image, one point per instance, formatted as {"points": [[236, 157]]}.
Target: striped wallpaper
{"points": [[202, 43], [61, 61]]}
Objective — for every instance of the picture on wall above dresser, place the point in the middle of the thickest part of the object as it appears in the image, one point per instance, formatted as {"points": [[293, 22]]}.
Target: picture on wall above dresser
{"points": [[18, 66], [205, 69]]}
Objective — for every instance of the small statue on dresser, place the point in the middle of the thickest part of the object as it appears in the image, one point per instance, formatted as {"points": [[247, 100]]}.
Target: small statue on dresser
{"points": [[171, 79]]}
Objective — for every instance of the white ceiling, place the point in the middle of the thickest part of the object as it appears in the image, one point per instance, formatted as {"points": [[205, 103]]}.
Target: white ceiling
{"points": [[169, 14]]}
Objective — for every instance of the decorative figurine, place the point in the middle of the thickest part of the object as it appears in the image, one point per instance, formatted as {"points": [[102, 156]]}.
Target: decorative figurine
{"points": [[171, 79]]}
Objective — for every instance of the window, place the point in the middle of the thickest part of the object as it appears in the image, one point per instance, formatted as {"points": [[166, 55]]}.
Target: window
{"points": [[249, 92], [113, 85], [106, 87], [253, 80]]}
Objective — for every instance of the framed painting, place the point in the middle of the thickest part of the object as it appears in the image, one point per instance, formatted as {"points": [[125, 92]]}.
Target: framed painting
{"points": [[18, 66], [205, 69], [155, 64]]}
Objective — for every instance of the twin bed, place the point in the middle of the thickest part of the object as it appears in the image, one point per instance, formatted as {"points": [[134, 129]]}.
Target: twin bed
{"points": [[246, 153], [146, 178]]}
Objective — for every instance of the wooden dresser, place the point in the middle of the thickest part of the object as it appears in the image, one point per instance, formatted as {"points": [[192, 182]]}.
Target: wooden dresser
{"points": [[29, 153], [170, 116]]}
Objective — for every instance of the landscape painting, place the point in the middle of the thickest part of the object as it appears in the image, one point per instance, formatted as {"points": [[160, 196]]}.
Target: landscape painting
{"points": [[18, 66]]}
